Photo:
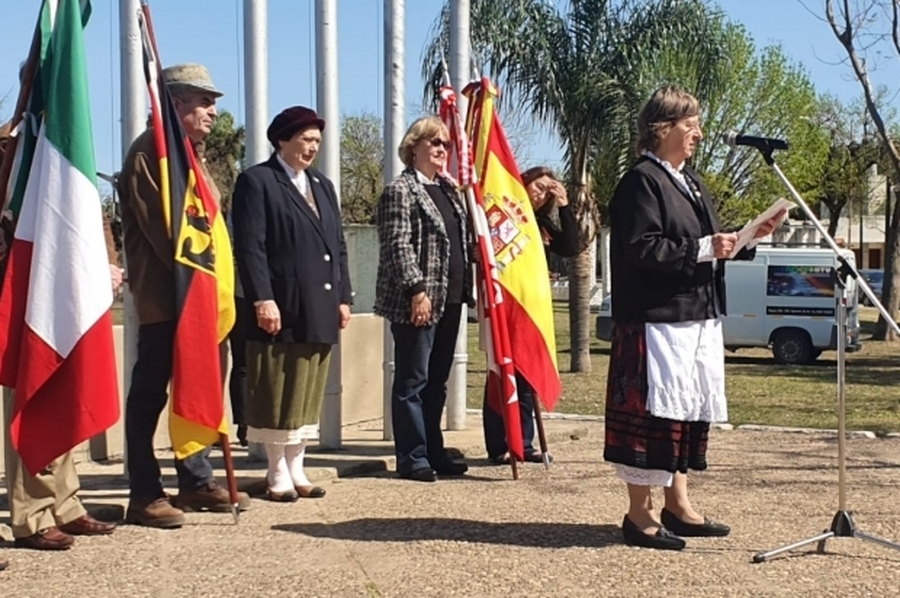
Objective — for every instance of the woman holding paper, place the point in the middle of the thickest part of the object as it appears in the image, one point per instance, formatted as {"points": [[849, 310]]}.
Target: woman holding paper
{"points": [[666, 372]]}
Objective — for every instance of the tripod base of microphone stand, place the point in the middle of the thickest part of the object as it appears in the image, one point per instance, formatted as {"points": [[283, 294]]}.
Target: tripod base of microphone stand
{"points": [[842, 526]]}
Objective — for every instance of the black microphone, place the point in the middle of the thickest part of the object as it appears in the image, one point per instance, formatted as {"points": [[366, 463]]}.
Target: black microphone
{"points": [[765, 144]]}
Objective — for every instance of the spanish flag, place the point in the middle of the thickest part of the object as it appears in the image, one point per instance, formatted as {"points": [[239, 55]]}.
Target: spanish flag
{"points": [[204, 272], [523, 277]]}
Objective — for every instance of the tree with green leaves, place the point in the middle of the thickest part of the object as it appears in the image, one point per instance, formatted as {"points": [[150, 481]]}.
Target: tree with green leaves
{"points": [[578, 69], [362, 167], [224, 153], [872, 27]]}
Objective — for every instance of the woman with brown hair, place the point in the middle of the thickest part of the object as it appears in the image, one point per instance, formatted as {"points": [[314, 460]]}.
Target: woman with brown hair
{"points": [[559, 232], [667, 367]]}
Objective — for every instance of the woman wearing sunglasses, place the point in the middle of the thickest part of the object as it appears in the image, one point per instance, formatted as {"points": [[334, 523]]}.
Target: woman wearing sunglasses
{"points": [[423, 281]]}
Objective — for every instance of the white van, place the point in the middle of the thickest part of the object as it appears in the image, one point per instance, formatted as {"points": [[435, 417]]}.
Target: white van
{"points": [[783, 299]]}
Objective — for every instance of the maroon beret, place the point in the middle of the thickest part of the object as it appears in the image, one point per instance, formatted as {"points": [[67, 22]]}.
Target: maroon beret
{"points": [[289, 121]]}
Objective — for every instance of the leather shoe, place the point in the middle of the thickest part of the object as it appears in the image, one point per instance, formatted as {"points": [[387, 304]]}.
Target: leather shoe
{"points": [[663, 539], [46, 539], [537, 457], [286, 496], [422, 474], [310, 491], [708, 528], [210, 497], [87, 526], [154, 512], [450, 468]]}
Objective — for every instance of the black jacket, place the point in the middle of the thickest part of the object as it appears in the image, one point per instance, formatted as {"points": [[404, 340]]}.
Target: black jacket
{"points": [[655, 232], [562, 239], [284, 252]]}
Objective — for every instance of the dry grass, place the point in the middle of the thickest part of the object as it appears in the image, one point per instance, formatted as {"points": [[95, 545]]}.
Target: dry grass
{"points": [[759, 390]]}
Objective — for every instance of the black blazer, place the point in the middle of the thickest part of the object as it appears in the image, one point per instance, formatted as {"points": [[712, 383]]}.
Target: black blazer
{"points": [[284, 252], [655, 232]]}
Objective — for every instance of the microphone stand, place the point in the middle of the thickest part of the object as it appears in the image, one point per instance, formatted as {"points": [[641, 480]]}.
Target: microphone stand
{"points": [[842, 525]]}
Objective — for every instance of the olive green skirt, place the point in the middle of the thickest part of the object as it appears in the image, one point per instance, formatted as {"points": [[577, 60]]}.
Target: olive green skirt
{"points": [[285, 390]]}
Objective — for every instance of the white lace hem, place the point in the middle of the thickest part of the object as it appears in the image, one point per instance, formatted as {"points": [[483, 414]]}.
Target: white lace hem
{"points": [[271, 436], [644, 477]]}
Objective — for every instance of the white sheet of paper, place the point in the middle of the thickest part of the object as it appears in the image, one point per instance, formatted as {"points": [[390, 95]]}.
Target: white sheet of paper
{"points": [[746, 234]]}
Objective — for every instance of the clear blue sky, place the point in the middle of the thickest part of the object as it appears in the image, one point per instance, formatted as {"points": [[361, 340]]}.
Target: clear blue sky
{"points": [[209, 31]]}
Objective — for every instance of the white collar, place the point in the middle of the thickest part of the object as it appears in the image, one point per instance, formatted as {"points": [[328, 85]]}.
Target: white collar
{"points": [[297, 176], [424, 179], [664, 163]]}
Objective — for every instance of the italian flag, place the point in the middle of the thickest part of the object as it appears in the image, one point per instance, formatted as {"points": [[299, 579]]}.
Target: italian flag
{"points": [[56, 341]]}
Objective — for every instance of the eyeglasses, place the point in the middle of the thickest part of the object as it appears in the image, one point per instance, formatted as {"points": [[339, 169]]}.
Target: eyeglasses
{"points": [[438, 142]]}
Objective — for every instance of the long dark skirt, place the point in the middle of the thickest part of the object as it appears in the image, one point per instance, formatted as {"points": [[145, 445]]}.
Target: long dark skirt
{"points": [[285, 384], [633, 436]]}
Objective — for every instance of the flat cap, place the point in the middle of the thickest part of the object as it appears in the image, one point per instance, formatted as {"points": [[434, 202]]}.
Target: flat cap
{"points": [[192, 75]]}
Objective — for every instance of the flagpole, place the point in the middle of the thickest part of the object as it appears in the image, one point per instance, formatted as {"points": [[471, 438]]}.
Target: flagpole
{"points": [[26, 81], [330, 165], [542, 434], [458, 77], [394, 125]]}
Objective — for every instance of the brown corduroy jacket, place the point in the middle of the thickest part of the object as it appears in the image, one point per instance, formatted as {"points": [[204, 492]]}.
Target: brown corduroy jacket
{"points": [[149, 253]]}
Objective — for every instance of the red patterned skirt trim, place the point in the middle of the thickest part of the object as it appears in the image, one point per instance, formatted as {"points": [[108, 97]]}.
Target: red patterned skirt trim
{"points": [[633, 436]]}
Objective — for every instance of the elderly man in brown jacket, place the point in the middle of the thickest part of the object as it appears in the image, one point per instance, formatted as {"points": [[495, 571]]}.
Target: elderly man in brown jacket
{"points": [[45, 512], [150, 262]]}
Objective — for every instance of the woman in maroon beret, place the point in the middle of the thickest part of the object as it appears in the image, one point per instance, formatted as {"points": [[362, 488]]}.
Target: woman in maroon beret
{"points": [[292, 262]]}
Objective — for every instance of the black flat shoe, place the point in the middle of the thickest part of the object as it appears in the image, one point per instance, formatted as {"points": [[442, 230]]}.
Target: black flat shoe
{"points": [[451, 468], [501, 460], [422, 474], [708, 528], [662, 540], [538, 457]]}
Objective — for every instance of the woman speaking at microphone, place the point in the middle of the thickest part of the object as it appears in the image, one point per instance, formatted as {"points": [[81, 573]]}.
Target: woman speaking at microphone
{"points": [[667, 367]]}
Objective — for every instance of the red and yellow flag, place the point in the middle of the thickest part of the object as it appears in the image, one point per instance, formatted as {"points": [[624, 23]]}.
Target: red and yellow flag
{"points": [[204, 272], [521, 262]]}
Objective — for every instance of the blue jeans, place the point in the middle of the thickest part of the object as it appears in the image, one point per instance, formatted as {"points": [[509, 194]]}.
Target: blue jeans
{"points": [[423, 357], [147, 397], [495, 431]]}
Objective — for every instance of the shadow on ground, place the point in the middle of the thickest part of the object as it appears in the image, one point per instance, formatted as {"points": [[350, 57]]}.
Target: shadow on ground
{"points": [[526, 534]]}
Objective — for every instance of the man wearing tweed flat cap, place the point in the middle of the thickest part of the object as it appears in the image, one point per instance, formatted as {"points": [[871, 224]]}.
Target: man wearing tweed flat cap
{"points": [[190, 76], [150, 260]]}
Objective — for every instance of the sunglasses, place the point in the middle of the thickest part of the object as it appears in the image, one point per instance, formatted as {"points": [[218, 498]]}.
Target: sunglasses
{"points": [[438, 142]]}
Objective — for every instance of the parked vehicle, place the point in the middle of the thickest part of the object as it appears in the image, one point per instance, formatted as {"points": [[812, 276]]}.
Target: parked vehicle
{"points": [[875, 280], [785, 300]]}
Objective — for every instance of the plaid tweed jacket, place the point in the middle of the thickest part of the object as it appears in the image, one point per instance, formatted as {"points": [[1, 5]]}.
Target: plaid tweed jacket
{"points": [[414, 247]]}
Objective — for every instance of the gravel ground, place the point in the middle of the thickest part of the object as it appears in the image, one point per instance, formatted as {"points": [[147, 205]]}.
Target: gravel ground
{"points": [[551, 533]]}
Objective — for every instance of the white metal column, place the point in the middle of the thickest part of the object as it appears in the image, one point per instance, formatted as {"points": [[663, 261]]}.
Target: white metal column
{"points": [[134, 121], [459, 77], [330, 165], [394, 125], [256, 115], [256, 78]]}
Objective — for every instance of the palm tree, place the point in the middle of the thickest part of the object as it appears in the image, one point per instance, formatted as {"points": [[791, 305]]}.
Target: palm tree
{"points": [[581, 70]]}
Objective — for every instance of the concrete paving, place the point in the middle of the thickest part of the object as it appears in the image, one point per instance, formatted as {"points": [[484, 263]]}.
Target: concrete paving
{"points": [[551, 533]]}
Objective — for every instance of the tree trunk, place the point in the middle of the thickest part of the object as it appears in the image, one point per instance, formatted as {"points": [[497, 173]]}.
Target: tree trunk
{"points": [[580, 286], [581, 275], [883, 332]]}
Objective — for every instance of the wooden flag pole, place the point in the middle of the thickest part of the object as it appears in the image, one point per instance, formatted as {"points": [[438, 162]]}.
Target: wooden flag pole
{"points": [[26, 81], [542, 434]]}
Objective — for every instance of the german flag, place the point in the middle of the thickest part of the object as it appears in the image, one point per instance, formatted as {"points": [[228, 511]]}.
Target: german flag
{"points": [[204, 271]]}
